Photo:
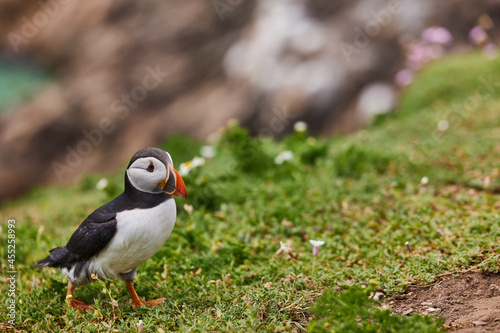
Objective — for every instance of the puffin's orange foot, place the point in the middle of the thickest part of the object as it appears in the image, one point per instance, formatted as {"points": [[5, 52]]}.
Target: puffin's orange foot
{"points": [[155, 302], [152, 303], [79, 305]]}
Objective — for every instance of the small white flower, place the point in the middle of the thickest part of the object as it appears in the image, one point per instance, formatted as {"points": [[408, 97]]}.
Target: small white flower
{"points": [[40, 231], [284, 156], [197, 161], [101, 184], [184, 168], [443, 125], [188, 209], [283, 248], [287, 249], [300, 126], [207, 151], [424, 181], [316, 244]]}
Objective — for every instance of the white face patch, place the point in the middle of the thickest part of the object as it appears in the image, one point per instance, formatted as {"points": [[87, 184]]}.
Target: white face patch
{"points": [[145, 174]]}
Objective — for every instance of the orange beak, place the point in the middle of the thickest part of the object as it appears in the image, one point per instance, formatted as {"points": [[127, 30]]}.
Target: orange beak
{"points": [[174, 186]]}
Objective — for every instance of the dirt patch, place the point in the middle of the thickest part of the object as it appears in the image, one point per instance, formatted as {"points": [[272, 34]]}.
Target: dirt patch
{"points": [[469, 302]]}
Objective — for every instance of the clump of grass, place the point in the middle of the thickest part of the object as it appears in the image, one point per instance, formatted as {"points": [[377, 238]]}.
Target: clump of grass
{"points": [[355, 161], [249, 152]]}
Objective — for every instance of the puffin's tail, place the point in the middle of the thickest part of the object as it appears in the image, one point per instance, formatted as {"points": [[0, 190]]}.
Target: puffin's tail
{"points": [[57, 257]]}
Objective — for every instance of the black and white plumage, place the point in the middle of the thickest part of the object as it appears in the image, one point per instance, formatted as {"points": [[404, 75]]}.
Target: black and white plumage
{"points": [[122, 234]]}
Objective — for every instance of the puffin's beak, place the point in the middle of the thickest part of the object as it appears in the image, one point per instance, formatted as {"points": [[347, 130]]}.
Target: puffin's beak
{"points": [[174, 185]]}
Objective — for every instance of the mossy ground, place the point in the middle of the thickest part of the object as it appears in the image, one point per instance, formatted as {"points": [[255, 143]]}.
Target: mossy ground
{"points": [[362, 194]]}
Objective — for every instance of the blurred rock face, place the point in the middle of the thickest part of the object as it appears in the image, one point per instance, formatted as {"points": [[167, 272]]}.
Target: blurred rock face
{"points": [[129, 74]]}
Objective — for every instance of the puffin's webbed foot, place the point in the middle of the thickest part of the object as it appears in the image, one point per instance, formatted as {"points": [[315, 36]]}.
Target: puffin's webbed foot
{"points": [[136, 301], [79, 305], [72, 302], [152, 303]]}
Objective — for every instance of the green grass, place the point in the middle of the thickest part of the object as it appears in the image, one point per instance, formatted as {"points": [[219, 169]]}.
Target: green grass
{"points": [[353, 311], [361, 194]]}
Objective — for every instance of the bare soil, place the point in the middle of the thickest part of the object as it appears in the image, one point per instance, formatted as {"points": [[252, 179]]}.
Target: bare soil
{"points": [[469, 301]]}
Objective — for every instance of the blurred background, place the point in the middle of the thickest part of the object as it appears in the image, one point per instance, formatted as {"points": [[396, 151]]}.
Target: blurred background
{"points": [[86, 84]]}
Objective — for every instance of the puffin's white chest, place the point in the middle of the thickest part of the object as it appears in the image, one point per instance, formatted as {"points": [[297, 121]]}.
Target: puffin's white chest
{"points": [[140, 234]]}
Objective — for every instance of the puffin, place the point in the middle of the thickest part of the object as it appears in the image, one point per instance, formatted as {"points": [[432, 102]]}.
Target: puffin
{"points": [[122, 234]]}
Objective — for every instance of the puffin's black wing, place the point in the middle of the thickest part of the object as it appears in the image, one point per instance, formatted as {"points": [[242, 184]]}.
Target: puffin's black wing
{"points": [[99, 227], [89, 239], [97, 230], [92, 235]]}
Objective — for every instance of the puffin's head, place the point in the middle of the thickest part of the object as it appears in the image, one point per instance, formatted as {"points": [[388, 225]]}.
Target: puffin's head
{"points": [[151, 170]]}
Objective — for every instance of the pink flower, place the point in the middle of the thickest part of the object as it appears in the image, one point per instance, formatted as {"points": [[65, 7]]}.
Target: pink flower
{"points": [[404, 77], [419, 54], [437, 35], [490, 51], [477, 35]]}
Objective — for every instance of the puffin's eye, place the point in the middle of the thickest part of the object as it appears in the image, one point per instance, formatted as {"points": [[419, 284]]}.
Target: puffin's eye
{"points": [[151, 167]]}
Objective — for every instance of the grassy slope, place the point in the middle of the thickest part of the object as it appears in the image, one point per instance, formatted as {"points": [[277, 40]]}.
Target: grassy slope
{"points": [[360, 194]]}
